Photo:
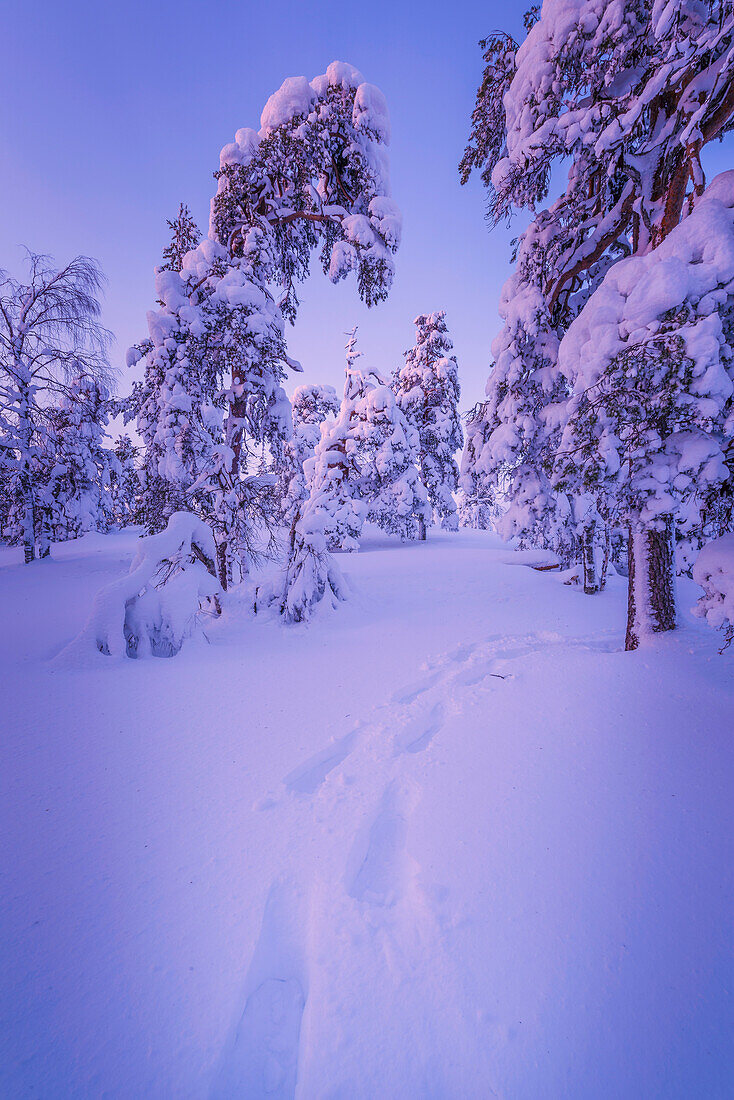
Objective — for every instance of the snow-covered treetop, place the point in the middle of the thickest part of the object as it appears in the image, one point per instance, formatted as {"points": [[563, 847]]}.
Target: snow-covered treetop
{"points": [[316, 174], [185, 237], [313, 403], [629, 91]]}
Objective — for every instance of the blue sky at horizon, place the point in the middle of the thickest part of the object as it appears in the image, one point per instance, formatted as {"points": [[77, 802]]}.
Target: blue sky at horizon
{"points": [[113, 114]]}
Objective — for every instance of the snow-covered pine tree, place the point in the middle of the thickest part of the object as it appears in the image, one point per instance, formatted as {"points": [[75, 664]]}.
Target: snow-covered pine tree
{"points": [[331, 515], [125, 487], [652, 413], [382, 450], [427, 392], [333, 474], [512, 438], [628, 95], [363, 467], [315, 176], [49, 332], [388, 453], [477, 496], [186, 236], [76, 497], [311, 405]]}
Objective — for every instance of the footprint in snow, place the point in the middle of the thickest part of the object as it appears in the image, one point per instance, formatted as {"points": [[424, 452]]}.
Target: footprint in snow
{"points": [[309, 776], [261, 1057], [420, 730], [410, 694], [377, 869]]}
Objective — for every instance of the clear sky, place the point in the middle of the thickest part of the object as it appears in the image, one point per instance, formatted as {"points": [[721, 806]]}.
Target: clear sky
{"points": [[113, 113]]}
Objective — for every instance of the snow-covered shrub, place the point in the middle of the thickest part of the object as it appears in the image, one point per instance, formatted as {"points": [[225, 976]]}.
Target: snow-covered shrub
{"points": [[151, 611], [714, 571], [312, 573]]}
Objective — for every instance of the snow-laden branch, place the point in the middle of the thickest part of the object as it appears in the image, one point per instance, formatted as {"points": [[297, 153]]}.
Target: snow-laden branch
{"points": [[155, 607]]}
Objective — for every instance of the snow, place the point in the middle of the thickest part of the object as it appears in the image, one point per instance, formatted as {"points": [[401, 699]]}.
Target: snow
{"points": [[714, 571], [294, 97], [447, 840]]}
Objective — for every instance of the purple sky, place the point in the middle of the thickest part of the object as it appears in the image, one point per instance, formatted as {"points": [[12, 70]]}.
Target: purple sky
{"points": [[114, 113]]}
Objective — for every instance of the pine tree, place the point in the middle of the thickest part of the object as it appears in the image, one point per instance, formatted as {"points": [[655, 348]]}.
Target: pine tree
{"points": [[629, 104], [388, 450], [427, 392], [333, 475], [382, 451], [76, 498], [513, 436], [652, 411], [313, 177], [125, 487], [363, 467], [311, 405]]}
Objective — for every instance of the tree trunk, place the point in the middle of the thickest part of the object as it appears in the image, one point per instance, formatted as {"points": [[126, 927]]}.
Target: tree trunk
{"points": [[25, 436], [591, 583], [222, 564], [651, 589], [605, 560], [421, 529]]}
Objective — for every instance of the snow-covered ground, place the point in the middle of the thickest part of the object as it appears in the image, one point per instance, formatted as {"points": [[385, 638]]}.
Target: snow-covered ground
{"points": [[446, 841]]}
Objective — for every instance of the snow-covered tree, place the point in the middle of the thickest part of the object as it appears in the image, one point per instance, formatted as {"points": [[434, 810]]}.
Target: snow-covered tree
{"points": [[627, 95], [363, 468], [512, 438], [333, 474], [427, 392], [475, 513], [314, 177], [382, 451], [311, 405], [652, 412], [76, 497], [388, 453], [50, 333], [125, 482]]}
